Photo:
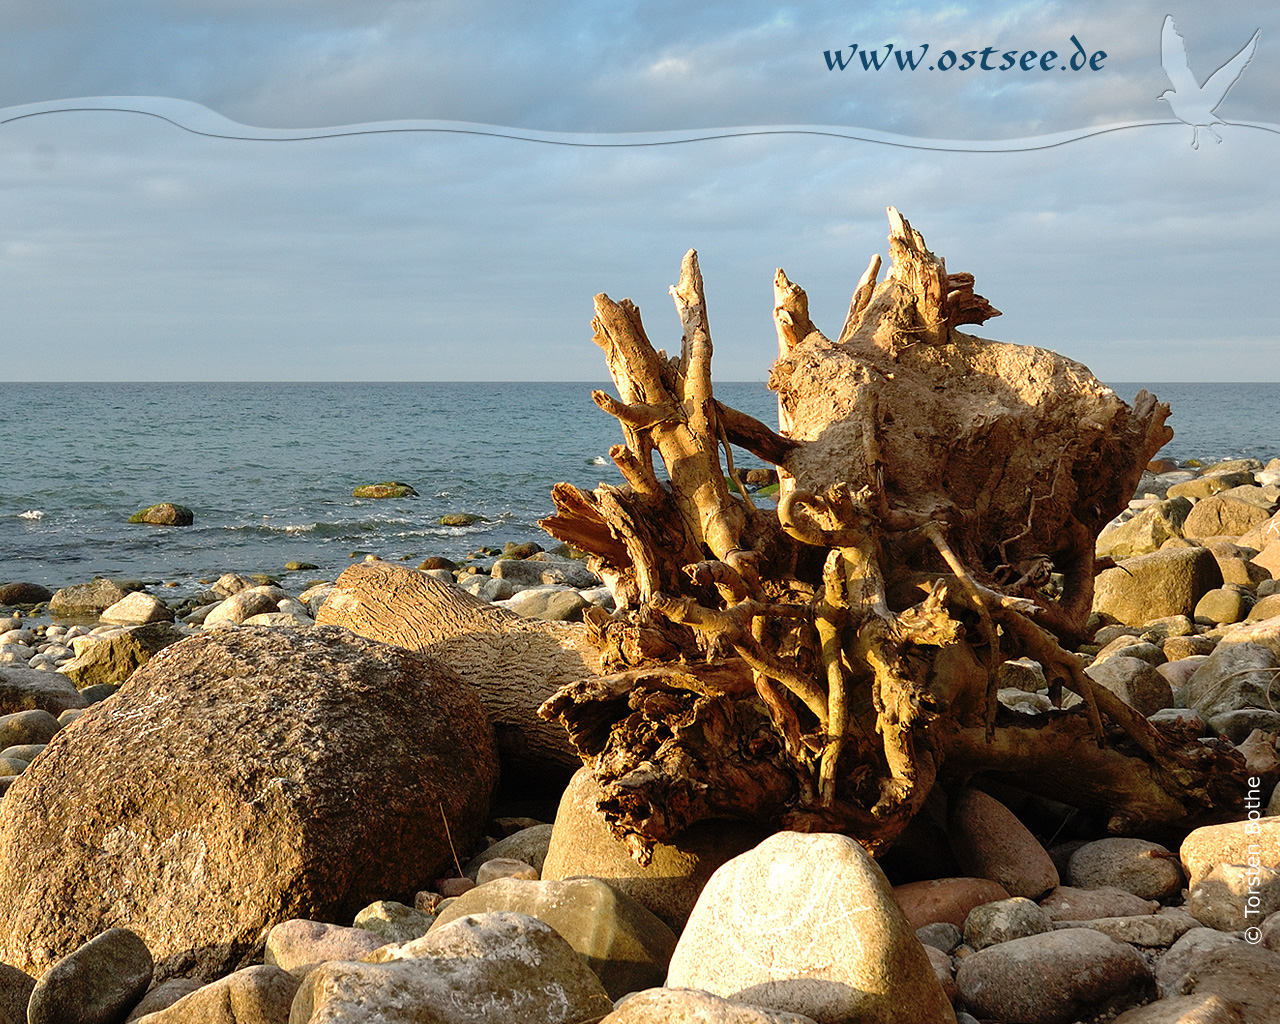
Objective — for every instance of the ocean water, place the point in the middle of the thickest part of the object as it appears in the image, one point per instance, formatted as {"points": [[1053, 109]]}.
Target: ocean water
{"points": [[268, 469]]}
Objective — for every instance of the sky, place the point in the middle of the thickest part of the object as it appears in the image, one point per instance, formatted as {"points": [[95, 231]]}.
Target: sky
{"points": [[132, 249]]}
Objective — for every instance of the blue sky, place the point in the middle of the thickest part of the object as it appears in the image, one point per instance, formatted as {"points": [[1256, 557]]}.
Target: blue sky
{"points": [[133, 250]]}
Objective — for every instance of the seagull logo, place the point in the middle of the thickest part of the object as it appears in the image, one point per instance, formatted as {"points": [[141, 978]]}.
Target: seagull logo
{"points": [[1191, 102]]}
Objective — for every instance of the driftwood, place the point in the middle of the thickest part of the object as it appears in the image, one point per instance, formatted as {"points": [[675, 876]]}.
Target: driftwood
{"points": [[514, 664], [824, 664]]}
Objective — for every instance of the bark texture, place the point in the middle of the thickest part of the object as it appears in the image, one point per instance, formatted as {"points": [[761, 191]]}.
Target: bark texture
{"points": [[822, 665]]}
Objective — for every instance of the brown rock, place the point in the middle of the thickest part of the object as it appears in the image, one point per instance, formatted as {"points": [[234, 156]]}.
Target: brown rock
{"points": [[946, 900], [1248, 976], [162, 996], [1077, 972], [689, 1006], [990, 842], [1163, 583], [581, 844], [299, 945], [1220, 516], [505, 867], [137, 609], [1209, 1009], [24, 593], [84, 599], [253, 995], [1135, 681], [1148, 870], [238, 779]]}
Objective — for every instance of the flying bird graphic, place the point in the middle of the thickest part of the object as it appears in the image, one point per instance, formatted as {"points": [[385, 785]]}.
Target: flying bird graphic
{"points": [[1191, 102]]}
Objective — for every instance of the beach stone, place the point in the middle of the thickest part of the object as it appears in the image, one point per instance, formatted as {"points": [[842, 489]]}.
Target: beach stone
{"points": [[1023, 674], [1235, 676], [1179, 648], [1237, 726], [1235, 561], [15, 993], [626, 945], [1222, 605], [164, 514], [1134, 680], [279, 619], [487, 588], [393, 922], [1146, 531], [1077, 972], [387, 489], [1132, 647], [23, 727], [1232, 897], [1207, 485], [1210, 1009], [669, 885], [691, 1006], [1267, 608], [1003, 920], [549, 603], [1146, 869], [990, 842], [299, 945], [808, 923], [231, 583], [305, 772], [84, 599], [1221, 516], [97, 983], [1267, 558], [1265, 633], [1151, 931], [528, 845], [454, 886], [243, 604], [533, 572], [945, 900], [1163, 583], [12, 766], [1243, 974], [113, 659], [162, 996], [1171, 969], [24, 594], [261, 994], [944, 969], [1069, 903], [505, 867], [941, 935], [1178, 671], [479, 970]]}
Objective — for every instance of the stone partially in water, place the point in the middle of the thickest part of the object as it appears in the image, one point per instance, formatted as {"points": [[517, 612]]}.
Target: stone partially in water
{"points": [[386, 489], [164, 514]]}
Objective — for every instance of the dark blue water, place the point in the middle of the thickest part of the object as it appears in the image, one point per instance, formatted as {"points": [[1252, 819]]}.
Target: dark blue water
{"points": [[268, 469]]}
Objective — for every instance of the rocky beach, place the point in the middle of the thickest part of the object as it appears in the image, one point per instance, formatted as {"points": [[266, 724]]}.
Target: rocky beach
{"points": [[229, 808]]}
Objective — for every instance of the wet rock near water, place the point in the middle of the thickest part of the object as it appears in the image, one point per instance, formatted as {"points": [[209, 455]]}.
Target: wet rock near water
{"points": [[164, 514], [386, 489]]}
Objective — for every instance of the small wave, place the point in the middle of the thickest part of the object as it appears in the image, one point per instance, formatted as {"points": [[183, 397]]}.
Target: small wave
{"points": [[34, 513]]}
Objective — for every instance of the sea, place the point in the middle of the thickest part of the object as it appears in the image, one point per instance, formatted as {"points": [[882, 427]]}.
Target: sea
{"points": [[269, 468]]}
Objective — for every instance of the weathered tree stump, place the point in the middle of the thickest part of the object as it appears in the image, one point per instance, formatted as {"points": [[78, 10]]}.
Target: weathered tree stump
{"points": [[824, 665]]}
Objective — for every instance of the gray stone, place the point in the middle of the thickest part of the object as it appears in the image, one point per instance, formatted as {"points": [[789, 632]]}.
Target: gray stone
{"points": [[1246, 975], [479, 970], [162, 996], [1171, 969], [298, 945], [627, 946], [84, 599], [581, 844], [231, 583], [808, 923], [1237, 725], [1023, 674], [1235, 676], [941, 935], [394, 922], [528, 845], [306, 772], [1078, 972], [549, 603], [487, 588], [1209, 1009], [690, 1006], [1233, 897], [990, 842], [242, 604], [1148, 870], [1132, 647], [26, 727], [504, 867], [541, 570], [1163, 583], [113, 659], [1134, 681], [98, 983], [261, 994], [1002, 921]]}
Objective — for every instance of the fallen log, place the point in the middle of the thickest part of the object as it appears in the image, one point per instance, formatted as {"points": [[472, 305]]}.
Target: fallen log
{"points": [[513, 663]]}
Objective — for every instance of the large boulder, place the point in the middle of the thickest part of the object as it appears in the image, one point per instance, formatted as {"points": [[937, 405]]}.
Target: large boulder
{"points": [[669, 885], [1223, 516], [1146, 531], [808, 923], [479, 970], [1163, 583], [241, 778]]}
